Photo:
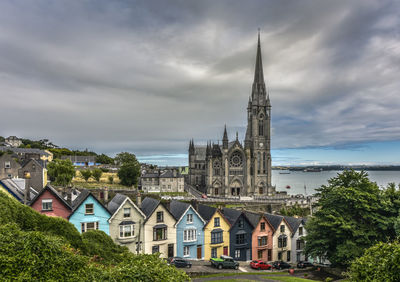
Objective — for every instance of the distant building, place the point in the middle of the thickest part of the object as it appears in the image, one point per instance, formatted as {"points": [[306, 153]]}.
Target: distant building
{"points": [[81, 160], [163, 181], [29, 153], [37, 171], [8, 165], [13, 141], [233, 168]]}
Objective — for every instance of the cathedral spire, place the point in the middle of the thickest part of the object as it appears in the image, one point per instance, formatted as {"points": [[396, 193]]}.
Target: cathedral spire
{"points": [[225, 139], [258, 74]]}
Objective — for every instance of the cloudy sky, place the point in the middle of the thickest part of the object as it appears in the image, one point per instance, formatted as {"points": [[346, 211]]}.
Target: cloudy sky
{"points": [[146, 76]]}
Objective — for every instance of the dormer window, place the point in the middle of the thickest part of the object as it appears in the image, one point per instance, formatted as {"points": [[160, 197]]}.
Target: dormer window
{"points": [[7, 164]]}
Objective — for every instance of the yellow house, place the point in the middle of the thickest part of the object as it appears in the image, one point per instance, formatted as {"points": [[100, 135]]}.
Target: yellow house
{"points": [[216, 232]]}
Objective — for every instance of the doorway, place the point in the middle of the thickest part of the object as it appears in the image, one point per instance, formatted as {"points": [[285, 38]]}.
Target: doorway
{"points": [[199, 252], [225, 251], [170, 250]]}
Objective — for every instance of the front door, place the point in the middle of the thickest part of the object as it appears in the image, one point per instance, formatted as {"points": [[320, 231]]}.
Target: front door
{"points": [[248, 254], [269, 255], [225, 251], [170, 250], [199, 252]]}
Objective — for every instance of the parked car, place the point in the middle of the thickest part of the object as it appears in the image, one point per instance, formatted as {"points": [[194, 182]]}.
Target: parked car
{"points": [[304, 264], [224, 262], [204, 196], [280, 265], [259, 264], [179, 262]]}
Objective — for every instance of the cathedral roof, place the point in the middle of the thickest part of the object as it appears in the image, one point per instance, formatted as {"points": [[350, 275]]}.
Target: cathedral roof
{"points": [[200, 153]]}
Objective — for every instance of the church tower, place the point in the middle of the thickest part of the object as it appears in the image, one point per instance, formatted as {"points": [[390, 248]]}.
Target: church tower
{"points": [[258, 133]]}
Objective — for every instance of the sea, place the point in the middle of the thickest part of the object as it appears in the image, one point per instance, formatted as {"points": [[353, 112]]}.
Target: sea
{"points": [[301, 182]]}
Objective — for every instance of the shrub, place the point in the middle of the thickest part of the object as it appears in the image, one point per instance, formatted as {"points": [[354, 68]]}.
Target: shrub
{"points": [[86, 174]]}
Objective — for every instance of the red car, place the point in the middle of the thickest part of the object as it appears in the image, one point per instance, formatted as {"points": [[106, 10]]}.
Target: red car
{"points": [[259, 264]]}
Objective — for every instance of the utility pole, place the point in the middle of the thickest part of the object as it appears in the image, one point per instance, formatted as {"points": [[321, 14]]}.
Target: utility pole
{"points": [[27, 176], [138, 238]]}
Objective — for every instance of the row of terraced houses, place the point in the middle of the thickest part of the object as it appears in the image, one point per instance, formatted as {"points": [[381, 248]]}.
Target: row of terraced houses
{"points": [[192, 231]]}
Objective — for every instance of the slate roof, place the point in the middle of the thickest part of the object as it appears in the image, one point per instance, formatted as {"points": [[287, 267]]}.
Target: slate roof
{"points": [[231, 215], [40, 163], [206, 212], [170, 174], [150, 175], [293, 222], [24, 150], [54, 192], [78, 201], [274, 220], [178, 208], [116, 202], [17, 191], [149, 205], [254, 218]]}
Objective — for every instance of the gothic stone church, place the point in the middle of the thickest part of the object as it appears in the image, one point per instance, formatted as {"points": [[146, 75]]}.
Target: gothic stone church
{"points": [[234, 168]]}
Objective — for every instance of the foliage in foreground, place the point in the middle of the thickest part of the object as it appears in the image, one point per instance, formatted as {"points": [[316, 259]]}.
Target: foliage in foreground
{"points": [[34, 247], [379, 263], [61, 172], [353, 215]]}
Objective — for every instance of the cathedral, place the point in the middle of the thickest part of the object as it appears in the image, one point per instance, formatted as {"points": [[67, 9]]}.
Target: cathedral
{"points": [[233, 168]]}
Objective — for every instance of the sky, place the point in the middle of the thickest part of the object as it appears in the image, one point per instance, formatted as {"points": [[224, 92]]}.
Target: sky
{"points": [[147, 76]]}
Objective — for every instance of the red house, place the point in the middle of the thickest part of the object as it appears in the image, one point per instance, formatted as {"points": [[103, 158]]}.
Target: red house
{"points": [[51, 203]]}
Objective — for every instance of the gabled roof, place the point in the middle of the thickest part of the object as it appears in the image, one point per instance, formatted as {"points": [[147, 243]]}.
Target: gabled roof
{"points": [[39, 163], [149, 205], [55, 193], [206, 212], [81, 198], [253, 218], [179, 209], [231, 215], [275, 220], [293, 222], [118, 202], [222, 215], [16, 190]]}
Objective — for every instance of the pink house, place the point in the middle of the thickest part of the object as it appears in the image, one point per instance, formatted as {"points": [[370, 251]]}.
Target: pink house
{"points": [[261, 237], [51, 203]]}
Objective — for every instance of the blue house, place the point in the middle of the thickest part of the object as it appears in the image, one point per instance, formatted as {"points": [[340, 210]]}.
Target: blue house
{"points": [[240, 234], [89, 214], [189, 230]]}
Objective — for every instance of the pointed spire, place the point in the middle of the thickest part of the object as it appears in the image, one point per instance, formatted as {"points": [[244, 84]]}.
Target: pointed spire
{"points": [[258, 74], [225, 139], [225, 134], [237, 136]]}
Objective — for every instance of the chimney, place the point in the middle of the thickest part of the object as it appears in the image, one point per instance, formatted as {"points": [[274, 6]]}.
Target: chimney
{"points": [[195, 204], [139, 200], [27, 196], [174, 172], [167, 205], [105, 194]]}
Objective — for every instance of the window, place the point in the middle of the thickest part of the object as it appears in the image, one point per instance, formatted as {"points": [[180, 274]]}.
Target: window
{"points": [[86, 226], [7, 164], [262, 226], [186, 251], [155, 249], [189, 235], [47, 205], [282, 228], [237, 253], [288, 255], [89, 209], [240, 239], [298, 257], [169, 187], [216, 237], [216, 222], [126, 231], [189, 218], [300, 231], [160, 216], [280, 256], [282, 242], [216, 171], [262, 241], [299, 245], [159, 234], [213, 252], [260, 254], [240, 224], [127, 212]]}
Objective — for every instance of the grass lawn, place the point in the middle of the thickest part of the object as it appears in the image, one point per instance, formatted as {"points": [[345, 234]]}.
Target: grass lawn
{"points": [[278, 276]]}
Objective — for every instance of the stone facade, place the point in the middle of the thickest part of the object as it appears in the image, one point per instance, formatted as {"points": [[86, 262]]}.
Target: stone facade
{"points": [[235, 168], [163, 181], [8, 166], [13, 141]]}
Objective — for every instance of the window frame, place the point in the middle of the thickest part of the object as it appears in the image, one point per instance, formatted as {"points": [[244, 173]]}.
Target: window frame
{"points": [[87, 208], [189, 218], [217, 237], [160, 216], [123, 232], [262, 226], [84, 227], [126, 215], [217, 222], [186, 251], [47, 201]]}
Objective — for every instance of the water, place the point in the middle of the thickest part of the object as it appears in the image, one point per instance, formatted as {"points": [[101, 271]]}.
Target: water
{"points": [[297, 179]]}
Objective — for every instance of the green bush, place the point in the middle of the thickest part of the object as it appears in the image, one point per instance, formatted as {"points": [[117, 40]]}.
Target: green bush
{"points": [[86, 174], [97, 173]]}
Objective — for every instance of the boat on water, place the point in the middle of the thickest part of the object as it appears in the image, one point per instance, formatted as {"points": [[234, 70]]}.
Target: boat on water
{"points": [[312, 170], [284, 172], [288, 187]]}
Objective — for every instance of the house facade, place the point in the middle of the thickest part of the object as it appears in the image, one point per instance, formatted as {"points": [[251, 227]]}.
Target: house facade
{"points": [[216, 236], [51, 203], [8, 165], [126, 223], [189, 230], [297, 239], [159, 229], [37, 171], [281, 239], [168, 180], [89, 214], [262, 238]]}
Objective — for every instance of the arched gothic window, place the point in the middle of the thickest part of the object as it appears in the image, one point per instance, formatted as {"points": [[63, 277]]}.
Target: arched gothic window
{"points": [[258, 163], [264, 161]]}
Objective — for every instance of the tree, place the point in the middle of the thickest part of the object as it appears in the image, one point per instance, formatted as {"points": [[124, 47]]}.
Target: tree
{"points": [[111, 179], [86, 174], [353, 214], [379, 263], [104, 159], [97, 173], [125, 157], [129, 173], [61, 172], [295, 210]]}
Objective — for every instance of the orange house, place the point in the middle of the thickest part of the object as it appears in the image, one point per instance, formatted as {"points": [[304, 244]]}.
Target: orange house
{"points": [[261, 237]]}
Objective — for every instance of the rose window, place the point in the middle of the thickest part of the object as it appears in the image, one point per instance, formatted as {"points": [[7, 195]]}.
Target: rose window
{"points": [[236, 160]]}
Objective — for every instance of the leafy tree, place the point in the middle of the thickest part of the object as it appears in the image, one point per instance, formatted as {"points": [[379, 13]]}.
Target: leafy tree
{"points": [[381, 262], [125, 157], [86, 174], [61, 172], [97, 173], [2, 139], [111, 179], [104, 159], [353, 214], [129, 173], [295, 210]]}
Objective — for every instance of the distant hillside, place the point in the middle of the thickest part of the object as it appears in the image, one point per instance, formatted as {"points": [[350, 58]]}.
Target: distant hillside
{"points": [[40, 248]]}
